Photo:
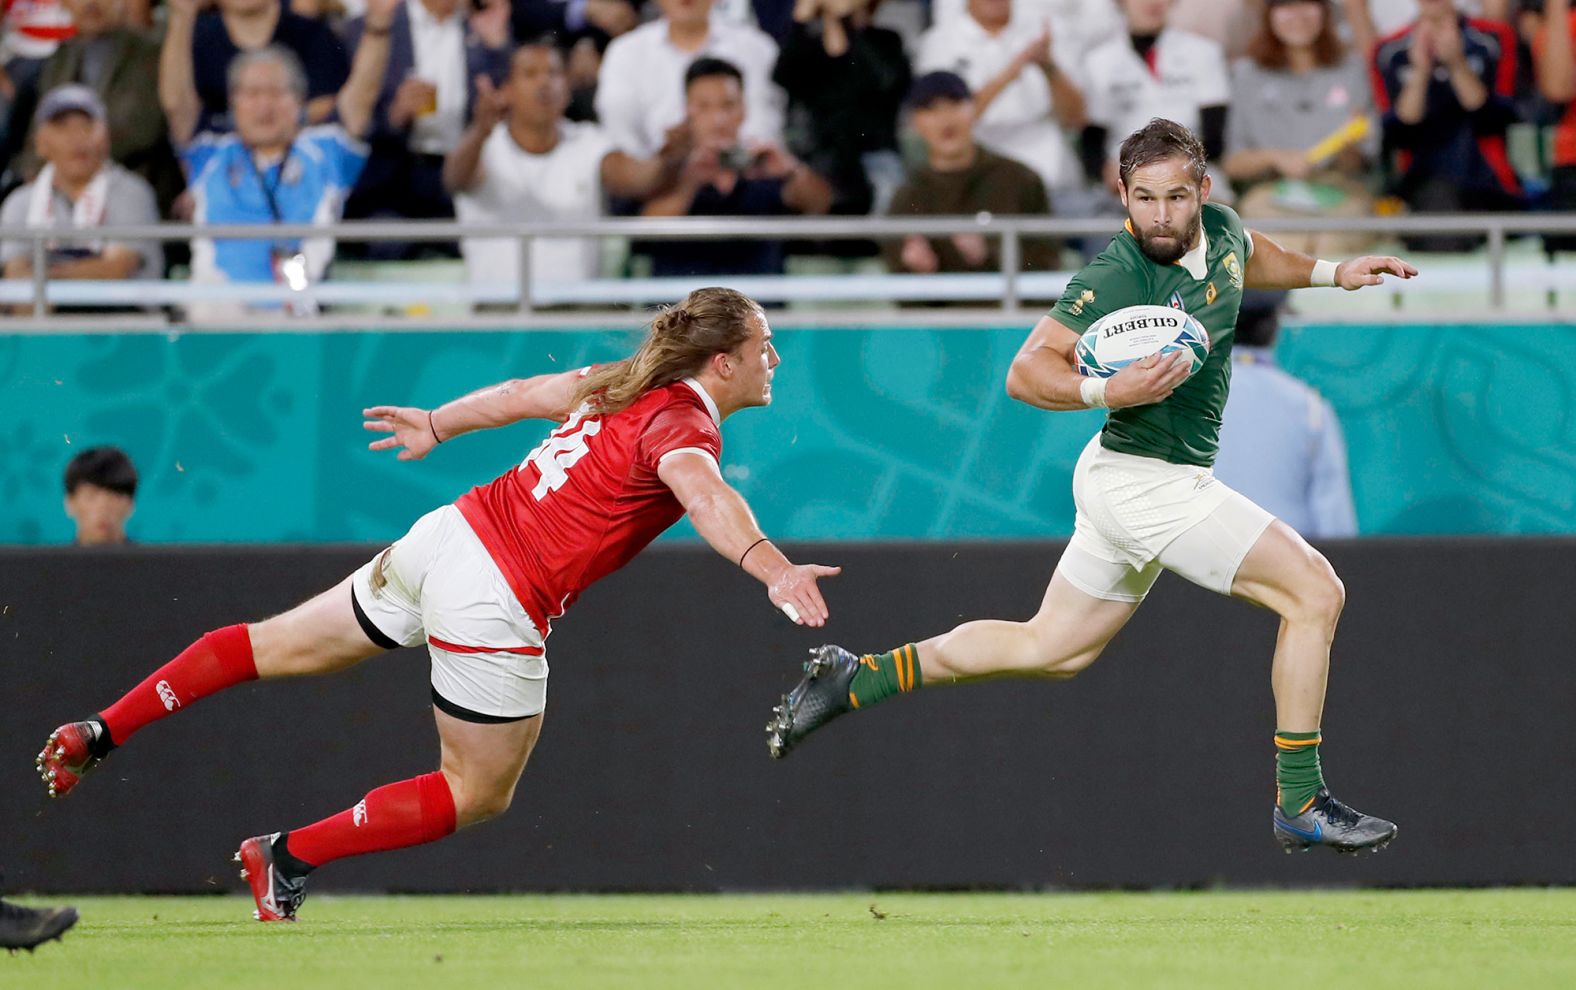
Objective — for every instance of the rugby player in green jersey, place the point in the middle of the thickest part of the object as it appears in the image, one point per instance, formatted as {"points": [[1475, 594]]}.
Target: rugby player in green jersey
{"points": [[1145, 495]]}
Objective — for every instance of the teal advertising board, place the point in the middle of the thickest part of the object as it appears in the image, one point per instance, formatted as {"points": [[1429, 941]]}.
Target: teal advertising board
{"points": [[881, 433]]}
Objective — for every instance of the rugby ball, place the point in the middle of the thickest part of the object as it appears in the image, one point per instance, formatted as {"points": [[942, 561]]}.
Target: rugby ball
{"points": [[1131, 334]]}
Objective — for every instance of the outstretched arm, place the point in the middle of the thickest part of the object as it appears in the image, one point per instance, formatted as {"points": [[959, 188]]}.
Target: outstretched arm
{"points": [[1274, 267], [725, 521], [1043, 375], [419, 430]]}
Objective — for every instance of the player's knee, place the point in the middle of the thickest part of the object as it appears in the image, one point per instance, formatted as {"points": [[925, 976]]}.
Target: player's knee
{"points": [[478, 804], [1065, 666], [1320, 594]]}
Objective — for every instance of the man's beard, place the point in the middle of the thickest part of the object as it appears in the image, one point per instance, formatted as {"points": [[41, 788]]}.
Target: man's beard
{"points": [[1172, 251]]}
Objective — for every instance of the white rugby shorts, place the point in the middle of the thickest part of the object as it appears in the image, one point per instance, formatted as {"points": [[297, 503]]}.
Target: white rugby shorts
{"points": [[1139, 515], [441, 587]]}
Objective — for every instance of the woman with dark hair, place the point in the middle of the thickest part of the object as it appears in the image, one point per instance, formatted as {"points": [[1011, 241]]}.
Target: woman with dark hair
{"points": [[1299, 139], [479, 581]]}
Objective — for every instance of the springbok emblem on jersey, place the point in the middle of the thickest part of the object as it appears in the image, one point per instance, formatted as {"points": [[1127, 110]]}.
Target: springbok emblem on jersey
{"points": [[1233, 269], [1209, 294]]}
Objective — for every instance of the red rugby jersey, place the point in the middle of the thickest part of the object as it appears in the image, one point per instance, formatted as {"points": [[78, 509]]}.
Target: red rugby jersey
{"points": [[588, 498]]}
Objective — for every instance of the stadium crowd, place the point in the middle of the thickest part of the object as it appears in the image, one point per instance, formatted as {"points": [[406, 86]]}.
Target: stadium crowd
{"points": [[258, 112]]}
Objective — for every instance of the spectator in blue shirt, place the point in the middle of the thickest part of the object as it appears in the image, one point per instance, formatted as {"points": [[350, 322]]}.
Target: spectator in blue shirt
{"points": [[270, 170], [1280, 441]]}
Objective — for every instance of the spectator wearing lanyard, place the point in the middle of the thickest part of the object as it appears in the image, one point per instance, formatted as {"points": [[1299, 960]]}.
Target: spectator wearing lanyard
{"points": [[271, 170]]}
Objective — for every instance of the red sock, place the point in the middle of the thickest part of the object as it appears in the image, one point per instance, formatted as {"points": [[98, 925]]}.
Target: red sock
{"points": [[394, 816], [216, 661]]}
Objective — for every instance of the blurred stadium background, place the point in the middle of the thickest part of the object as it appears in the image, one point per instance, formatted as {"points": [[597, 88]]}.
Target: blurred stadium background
{"points": [[892, 449]]}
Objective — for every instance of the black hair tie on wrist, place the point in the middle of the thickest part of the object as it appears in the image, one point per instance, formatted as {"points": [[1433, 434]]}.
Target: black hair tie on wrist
{"points": [[752, 546], [433, 427]]}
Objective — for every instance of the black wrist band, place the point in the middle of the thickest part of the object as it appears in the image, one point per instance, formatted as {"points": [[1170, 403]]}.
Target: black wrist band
{"points": [[752, 546], [433, 427]]}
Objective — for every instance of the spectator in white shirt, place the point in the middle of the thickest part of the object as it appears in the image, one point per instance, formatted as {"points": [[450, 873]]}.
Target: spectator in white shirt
{"points": [[520, 160], [1079, 26], [1022, 96], [1153, 71], [640, 93], [435, 56]]}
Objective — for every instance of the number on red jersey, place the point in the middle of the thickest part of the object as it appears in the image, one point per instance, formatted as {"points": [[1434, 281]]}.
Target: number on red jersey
{"points": [[558, 453]]}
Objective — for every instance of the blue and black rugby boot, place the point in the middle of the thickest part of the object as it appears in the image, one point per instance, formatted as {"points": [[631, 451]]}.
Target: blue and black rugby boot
{"points": [[1328, 822], [820, 697]]}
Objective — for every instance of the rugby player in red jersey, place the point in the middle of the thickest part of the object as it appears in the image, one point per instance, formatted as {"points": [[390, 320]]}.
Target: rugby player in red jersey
{"points": [[480, 581]]}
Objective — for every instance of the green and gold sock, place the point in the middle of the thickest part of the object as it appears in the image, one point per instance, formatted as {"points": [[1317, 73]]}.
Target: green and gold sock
{"points": [[884, 674], [1297, 774]]}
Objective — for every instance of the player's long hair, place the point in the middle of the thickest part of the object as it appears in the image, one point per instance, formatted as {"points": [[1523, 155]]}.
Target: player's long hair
{"points": [[679, 342]]}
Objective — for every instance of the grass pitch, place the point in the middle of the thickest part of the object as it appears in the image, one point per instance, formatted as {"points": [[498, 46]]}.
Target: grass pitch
{"points": [[1435, 939]]}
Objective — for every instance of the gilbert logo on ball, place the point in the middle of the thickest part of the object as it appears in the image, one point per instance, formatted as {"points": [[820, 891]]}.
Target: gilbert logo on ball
{"points": [[1131, 334]]}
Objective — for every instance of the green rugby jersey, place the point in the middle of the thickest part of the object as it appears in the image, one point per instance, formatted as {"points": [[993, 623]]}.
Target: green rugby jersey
{"points": [[1184, 429]]}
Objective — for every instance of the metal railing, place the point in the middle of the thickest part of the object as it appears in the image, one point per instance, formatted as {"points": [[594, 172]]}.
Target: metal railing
{"points": [[1003, 290]]}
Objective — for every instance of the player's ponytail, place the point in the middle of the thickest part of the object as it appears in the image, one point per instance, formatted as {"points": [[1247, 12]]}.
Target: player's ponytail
{"points": [[679, 342]]}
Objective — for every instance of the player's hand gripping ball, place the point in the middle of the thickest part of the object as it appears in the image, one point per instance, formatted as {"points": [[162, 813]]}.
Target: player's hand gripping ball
{"points": [[1131, 334]]}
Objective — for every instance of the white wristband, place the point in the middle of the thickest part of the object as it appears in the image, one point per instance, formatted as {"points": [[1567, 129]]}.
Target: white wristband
{"points": [[1092, 391], [1323, 273]]}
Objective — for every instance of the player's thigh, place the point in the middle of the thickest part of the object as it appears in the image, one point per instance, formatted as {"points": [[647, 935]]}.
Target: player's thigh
{"points": [[318, 636], [1211, 551], [1283, 573], [1088, 601], [482, 761]]}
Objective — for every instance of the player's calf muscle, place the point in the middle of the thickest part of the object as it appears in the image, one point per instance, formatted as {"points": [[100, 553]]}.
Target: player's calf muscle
{"points": [[994, 646]]}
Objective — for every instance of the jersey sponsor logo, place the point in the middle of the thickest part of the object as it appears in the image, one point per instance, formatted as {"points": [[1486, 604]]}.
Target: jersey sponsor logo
{"points": [[562, 449], [358, 814], [167, 696], [1142, 323], [1233, 269], [1209, 294], [1084, 298]]}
